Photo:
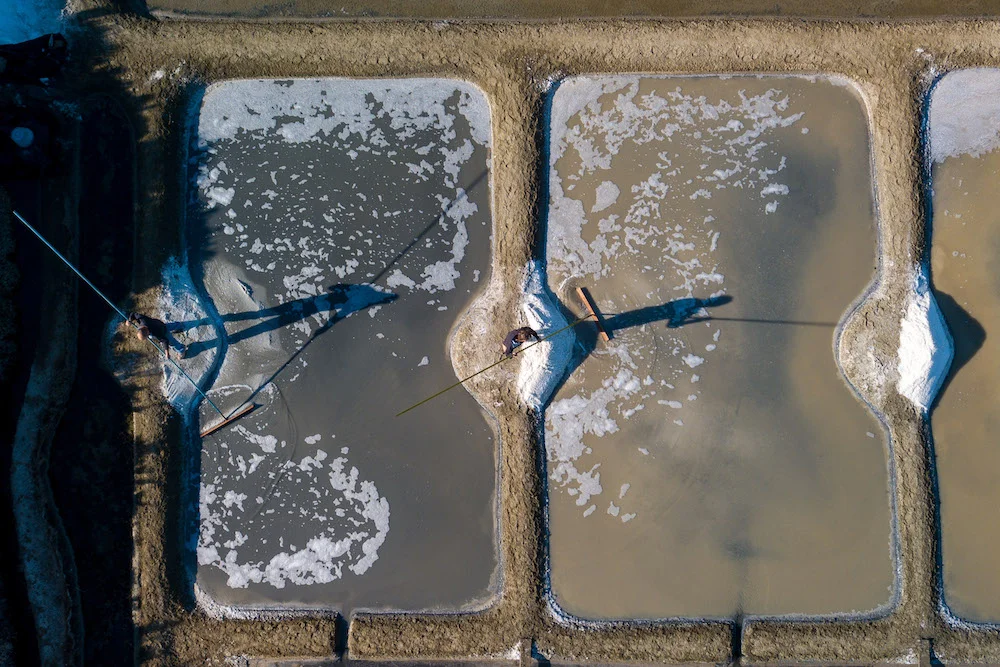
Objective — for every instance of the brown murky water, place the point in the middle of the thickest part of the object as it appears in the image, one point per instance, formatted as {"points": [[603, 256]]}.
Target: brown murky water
{"points": [[711, 460], [964, 252], [339, 229]]}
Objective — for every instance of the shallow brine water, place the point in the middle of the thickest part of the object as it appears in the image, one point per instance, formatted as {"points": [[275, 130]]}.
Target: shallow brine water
{"points": [[965, 164], [339, 228], [711, 460]]}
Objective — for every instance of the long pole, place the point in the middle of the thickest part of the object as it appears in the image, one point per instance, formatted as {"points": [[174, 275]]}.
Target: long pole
{"points": [[495, 363], [118, 310]]}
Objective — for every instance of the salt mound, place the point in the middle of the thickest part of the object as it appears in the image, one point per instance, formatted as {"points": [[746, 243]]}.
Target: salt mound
{"points": [[543, 366], [925, 346]]}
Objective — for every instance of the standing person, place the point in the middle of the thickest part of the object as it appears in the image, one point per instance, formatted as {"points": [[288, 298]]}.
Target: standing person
{"points": [[514, 340], [151, 327]]}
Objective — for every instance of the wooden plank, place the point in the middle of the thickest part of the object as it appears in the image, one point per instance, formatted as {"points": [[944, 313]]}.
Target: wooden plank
{"points": [[584, 294], [245, 410]]}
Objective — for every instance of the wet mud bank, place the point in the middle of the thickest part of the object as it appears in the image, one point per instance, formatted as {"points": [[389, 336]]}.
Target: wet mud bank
{"points": [[514, 64]]}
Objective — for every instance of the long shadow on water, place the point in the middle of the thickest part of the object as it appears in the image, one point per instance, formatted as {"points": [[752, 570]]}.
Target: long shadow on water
{"points": [[338, 302], [967, 334], [352, 297], [676, 313]]}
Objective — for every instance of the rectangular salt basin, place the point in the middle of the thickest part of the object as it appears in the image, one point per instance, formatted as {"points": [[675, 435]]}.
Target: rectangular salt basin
{"points": [[964, 165], [337, 229], [711, 460]]}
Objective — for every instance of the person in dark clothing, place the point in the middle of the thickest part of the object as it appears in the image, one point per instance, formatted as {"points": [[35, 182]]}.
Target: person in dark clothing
{"points": [[150, 327], [514, 340]]}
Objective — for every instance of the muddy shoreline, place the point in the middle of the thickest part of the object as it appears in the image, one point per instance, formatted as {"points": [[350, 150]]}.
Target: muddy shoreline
{"points": [[893, 64]]}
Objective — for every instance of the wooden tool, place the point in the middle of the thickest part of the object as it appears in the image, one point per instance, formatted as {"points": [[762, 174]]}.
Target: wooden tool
{"points": [[245, 410], [592, 309]]}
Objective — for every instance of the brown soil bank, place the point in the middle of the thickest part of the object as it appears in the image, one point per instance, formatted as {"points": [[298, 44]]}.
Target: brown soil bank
{"points": [[155, 66], [547, 9]]}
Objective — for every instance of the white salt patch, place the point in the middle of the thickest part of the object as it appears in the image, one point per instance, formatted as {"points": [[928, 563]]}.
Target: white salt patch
{"points": [[325, 105], [399, 279], [613, 509], [693, 360], [220, 196], [925, 345], [313, 439], [774, 189], [644, 451], [964, 114], [771, 207], [441, 276], [869, 434], [624, 490], [628, 517], [607, 195], [350, 535], [424, 362], [590, 510], [267, 443]]}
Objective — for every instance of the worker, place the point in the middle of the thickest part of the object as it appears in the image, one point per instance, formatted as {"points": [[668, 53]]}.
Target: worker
{"points": [[515, 338], [150, 327]]}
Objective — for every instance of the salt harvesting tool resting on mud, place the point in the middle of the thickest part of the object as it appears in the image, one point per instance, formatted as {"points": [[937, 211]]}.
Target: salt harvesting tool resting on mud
{"points": [[517, 337], [150, 334]]}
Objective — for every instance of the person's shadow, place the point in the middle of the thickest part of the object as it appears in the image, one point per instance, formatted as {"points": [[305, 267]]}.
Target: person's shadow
{"points": [[338, 302], [676, 314]]}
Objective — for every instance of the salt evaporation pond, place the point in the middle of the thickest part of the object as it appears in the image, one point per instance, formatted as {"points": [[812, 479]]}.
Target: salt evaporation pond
{"points": [[711, 459], [964, 137], [339, 228]]}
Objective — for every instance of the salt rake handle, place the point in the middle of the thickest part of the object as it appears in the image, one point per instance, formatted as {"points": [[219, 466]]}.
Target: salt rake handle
{"points": [[592, 309], [495, 363]]}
